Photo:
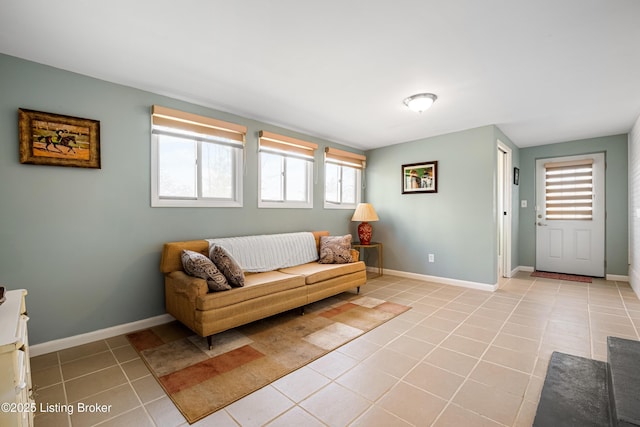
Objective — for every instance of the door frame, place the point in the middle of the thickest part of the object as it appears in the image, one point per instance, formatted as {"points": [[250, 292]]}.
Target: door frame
{"points": [[602, 199], [505, 217]]}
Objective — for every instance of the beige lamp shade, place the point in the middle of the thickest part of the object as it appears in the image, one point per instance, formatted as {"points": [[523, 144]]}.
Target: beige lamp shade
{"points": [[365, 212]]}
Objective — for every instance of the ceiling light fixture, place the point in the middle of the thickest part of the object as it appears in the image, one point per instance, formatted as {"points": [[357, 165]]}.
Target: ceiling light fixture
{"points": [[420, 101]]}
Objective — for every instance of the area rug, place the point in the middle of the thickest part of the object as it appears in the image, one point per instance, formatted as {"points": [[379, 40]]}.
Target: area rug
{"points": [[201, 381], [560, 276]]}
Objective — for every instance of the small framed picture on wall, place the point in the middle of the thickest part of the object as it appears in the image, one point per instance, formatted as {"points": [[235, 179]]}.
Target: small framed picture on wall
{"points": [[516, 176], [420, 178]]}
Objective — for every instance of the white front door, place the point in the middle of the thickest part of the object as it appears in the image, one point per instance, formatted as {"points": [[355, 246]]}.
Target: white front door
{"points": [[570, 215]]}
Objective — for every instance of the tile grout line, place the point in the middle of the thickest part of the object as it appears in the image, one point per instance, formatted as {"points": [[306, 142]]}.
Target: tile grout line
{"points": [[531, 375], [373, 403], [142, 405], [64, 387], [333, 380], [468, 376], [450, 333], [626, 310]]}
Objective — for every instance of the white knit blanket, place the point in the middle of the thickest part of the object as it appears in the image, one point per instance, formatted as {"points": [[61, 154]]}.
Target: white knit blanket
{"points": [[270, 252]]}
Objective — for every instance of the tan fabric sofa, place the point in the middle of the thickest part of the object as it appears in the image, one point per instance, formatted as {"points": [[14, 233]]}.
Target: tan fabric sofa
{"points": [[188, 298]]}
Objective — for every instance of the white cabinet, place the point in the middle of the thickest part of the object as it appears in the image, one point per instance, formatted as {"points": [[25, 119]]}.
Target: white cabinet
{"points": [[17, 406]]}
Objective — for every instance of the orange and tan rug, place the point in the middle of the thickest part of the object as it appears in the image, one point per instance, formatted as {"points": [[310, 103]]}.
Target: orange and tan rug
{"points": [[201, 381]]}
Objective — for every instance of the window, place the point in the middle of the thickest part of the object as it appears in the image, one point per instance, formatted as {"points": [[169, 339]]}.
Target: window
{"points": [[196, 161], [569, 190], [343, 177], [286, 172]]}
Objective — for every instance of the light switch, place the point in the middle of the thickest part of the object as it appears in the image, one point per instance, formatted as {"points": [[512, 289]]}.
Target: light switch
{"points": [[523, 203]]}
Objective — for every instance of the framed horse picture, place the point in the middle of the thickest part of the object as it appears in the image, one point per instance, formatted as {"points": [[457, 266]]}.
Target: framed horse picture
{"points": [[57, 140]]}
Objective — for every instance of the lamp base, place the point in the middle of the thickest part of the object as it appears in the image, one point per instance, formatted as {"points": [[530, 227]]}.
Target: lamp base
{"points": [[364, 233]]}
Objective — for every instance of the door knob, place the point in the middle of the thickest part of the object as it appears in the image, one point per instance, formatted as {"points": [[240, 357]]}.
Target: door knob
{"points": [[542, 225]]}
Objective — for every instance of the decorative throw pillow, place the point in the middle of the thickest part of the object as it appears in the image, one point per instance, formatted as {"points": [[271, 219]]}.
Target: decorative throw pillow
{"points": [[229, 266], [335, 249], [197, 265]]}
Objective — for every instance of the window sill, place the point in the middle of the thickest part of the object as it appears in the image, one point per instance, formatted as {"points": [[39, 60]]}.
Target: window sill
{"points": [[165, 203], [284, 205], [340, 206]]}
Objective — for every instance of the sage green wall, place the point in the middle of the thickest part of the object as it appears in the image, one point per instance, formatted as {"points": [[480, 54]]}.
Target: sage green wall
{"points": [[458, 223], [615, 149], [85, 243]]}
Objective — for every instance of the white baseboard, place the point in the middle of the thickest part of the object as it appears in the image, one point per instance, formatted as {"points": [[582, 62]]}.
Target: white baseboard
{"points": [[62, 343], [436, 279], [635, 281], [617, 278], [612, 277]]}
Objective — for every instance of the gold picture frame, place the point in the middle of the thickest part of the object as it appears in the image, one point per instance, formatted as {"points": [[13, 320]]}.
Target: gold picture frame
{"points": [[58, 140]]}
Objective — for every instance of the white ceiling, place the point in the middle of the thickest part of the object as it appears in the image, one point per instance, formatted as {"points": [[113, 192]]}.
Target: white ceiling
{"points": [[544, 71]]}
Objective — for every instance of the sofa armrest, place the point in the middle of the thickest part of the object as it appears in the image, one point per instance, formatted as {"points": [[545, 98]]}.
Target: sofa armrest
{"points": [[355, 255], [180, 293], [182, 283]]}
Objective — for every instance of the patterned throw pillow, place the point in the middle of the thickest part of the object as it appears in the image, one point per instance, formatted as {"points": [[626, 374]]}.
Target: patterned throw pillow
{"points": [[335, 249], [197, 265], [229, 266]]}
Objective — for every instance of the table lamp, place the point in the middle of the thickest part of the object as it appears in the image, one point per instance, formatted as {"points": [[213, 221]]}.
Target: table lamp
{"points": [[365, 213]]}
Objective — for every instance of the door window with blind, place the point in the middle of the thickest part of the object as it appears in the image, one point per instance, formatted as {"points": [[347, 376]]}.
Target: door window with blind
{"points": [[196, 161], [286, 171], [343, 178], [569, 190]]}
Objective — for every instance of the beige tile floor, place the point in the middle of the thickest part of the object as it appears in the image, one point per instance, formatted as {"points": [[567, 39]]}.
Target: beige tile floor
{"points": [[458, 357]]}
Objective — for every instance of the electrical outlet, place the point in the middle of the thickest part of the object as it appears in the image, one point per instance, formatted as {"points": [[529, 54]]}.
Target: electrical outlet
{"points": [[431, 258]]}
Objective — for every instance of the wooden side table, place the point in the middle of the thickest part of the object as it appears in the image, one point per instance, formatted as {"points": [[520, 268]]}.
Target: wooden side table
{"points": [[360, 248]]}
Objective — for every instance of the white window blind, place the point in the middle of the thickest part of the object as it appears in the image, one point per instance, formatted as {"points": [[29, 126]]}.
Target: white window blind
{"points": [[340, 157], [569, 190], [181, 121], [286, 145]]}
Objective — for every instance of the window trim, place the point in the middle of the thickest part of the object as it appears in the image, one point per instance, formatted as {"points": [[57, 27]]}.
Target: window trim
{"points": [[345, 159], [286, 147], [165, 121], [342, 205]]}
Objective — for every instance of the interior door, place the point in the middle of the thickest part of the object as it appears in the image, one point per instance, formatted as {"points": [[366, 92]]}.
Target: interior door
{"points": [[503, 210], [570, 215]]}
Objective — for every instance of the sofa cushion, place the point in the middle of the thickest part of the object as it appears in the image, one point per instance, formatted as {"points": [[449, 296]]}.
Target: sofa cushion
{"points": [[256, 285], [229, 267], [197, 265], [314, 272], [335, 249]]}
